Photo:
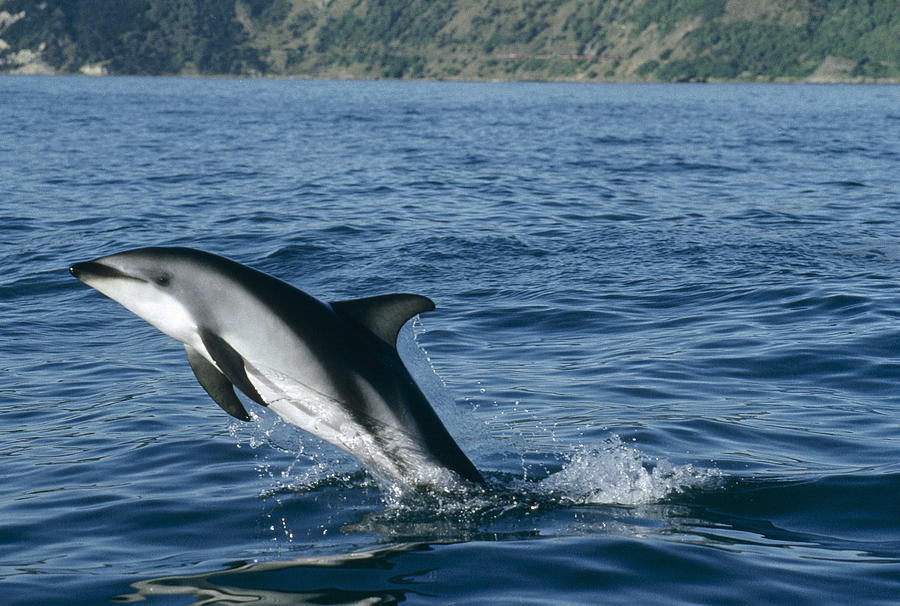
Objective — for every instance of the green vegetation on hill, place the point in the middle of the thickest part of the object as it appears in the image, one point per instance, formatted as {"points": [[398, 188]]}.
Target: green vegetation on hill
{"points": [[667, 40], [130, 36]]}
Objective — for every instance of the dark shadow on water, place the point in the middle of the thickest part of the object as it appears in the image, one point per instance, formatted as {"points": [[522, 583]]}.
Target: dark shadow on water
{"points": [[366, 577]]}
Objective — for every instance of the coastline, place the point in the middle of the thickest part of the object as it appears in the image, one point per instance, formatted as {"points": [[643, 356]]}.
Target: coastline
{"points": [[486, 80]]}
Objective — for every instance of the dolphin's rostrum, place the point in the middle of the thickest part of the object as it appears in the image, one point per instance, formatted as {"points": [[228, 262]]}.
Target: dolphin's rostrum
{"points": [[331, 369]]}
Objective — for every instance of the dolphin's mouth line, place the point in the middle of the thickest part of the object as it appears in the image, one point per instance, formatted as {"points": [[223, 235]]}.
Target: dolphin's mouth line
{"points": [[92, 269]]}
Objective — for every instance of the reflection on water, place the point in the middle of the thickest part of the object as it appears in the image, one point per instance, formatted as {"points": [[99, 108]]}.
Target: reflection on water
{"points": [[365, 577]]}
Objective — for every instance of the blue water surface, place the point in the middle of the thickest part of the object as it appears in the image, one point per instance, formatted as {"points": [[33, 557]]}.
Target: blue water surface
{"points": [[667, 331]]}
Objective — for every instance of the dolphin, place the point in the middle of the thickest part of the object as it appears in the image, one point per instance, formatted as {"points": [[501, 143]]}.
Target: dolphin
{"points": [[330, 369]]}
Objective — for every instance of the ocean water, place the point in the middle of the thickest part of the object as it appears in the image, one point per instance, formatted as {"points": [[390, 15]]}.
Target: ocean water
{"points": [[667, 331]]}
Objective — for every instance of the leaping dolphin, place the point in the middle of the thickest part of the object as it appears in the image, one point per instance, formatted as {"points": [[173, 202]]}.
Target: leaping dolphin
{"points": [[331, 369]]}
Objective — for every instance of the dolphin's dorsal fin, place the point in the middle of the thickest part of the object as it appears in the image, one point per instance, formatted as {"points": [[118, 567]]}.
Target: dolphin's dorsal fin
{"points": [[383, 315]]}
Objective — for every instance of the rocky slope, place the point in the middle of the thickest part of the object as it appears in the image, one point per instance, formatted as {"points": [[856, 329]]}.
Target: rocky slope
{"points": [[612, 40]]}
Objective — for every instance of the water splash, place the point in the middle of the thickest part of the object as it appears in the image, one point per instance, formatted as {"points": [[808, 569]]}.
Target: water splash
{"points": [[610, 490], [618, 475], [613, 473]]}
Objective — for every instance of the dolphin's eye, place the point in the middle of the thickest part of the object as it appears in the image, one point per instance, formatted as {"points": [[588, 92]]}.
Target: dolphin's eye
{"points": [[163, 279]]}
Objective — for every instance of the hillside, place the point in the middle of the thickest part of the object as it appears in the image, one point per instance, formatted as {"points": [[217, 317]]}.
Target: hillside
{"points": [[620, 40]]}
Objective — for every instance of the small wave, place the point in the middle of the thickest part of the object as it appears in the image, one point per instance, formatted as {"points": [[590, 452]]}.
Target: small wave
{"points": [[845, 184]]}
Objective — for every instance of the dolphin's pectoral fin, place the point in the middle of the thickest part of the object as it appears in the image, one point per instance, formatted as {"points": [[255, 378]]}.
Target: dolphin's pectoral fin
{"points": [[383, 315], [230, 363], [216, 385]]}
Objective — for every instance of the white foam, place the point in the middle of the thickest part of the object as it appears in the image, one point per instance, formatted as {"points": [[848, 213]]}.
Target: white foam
{"points": [[618, 474]]}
